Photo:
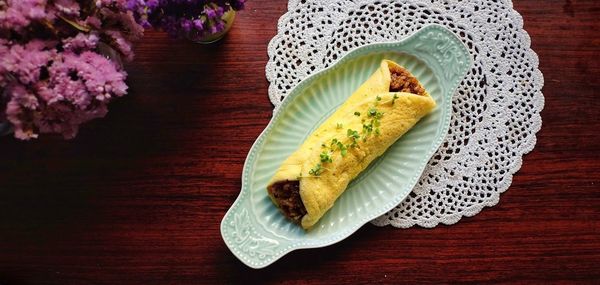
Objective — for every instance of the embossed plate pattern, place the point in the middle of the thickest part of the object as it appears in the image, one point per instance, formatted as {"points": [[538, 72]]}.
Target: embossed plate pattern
{"points": [[257, 233]]}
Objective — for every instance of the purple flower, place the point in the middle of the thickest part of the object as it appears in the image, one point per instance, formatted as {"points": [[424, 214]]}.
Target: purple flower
{"points": [[210, 13], [152, 4], [186, 25], [174, 16], [219, 12], [219, 26], [198, 24]]}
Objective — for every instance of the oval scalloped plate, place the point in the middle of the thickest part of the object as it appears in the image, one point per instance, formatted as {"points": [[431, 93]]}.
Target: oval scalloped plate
{"points": [[253, 228]]}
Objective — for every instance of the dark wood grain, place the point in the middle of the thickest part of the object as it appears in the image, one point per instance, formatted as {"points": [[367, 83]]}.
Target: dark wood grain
{"points": [[137, 197]]}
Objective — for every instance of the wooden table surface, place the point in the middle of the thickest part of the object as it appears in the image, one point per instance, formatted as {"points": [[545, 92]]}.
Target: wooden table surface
{"points": [[137, 198]]}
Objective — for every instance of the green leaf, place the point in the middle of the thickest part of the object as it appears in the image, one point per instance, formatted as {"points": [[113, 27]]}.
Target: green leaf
{"points": [[76, 25]]}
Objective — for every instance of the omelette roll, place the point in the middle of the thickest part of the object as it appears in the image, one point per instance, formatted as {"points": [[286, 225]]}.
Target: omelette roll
{"points": [[377, 114]]}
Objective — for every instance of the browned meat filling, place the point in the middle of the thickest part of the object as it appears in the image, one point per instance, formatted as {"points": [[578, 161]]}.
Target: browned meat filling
{"points": [[402, 81], [287, 196]]}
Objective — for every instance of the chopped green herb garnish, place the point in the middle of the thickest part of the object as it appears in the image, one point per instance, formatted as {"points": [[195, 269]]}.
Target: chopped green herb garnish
{"points": [[357, 114], [323, 145], [353, 134], [342, 147], [317, 170], [336, 143], [377, 132], [325, 157], [372, 112], [394, 99], [339, 126], [367, 128], [378, 98], [375, 123]]}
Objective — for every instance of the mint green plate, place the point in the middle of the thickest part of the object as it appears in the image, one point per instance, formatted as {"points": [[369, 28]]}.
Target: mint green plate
{"points": [[253, 228]]}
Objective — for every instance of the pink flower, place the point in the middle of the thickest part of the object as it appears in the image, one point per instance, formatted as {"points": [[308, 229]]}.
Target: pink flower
{"points": [[122, 45], [19, 13], [78, 90], [81, 42], [25, 61], [18, 111], [67, 7], [93, 22], [4, 49], [56, 69], [51, 92]]}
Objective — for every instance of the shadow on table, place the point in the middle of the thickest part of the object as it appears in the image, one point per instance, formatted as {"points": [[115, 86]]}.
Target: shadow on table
{"points": [[49, 187], [297, 265]]}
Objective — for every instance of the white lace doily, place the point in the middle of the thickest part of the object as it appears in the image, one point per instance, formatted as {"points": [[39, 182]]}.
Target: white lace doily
{"points": [[496, 108]]}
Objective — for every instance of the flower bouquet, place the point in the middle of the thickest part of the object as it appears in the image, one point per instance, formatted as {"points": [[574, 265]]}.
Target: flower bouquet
{"points": [[202, 21], [60, 62]]}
